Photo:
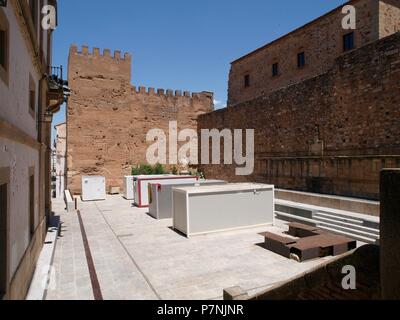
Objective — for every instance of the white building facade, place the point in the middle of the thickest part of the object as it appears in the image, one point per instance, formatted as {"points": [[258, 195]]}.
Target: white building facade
{"points": [[26, 107], [60, 163]]}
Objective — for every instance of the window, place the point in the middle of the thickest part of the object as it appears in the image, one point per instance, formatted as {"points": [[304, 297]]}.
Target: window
{"points": [[33, 4], [4, 214], [247, 81], [348, 41], [4, 47], [32, 97], [3, 239], [301, 60], [32, 204], [275, 69]]}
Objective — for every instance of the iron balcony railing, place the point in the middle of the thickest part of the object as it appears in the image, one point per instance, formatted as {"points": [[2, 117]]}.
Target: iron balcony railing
{"points": [[56, 73], [57, 82]]}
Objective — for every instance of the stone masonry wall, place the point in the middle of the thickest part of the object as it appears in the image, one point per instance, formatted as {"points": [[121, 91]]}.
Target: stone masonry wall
{"points": [[329, 134], [108, 119], [389, 17], [322, 42], [325, 282]]}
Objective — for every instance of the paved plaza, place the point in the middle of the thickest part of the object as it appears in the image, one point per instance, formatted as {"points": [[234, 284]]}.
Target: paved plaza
{"points": [[136, 257]]}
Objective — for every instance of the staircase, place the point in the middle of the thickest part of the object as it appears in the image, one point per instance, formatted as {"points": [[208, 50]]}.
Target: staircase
{"points": [[357, 226]]}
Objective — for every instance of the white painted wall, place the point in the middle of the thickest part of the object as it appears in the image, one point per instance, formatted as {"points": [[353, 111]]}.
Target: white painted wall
{"points": [[14, 103], [60, 187], [14, 108], [61, 150], [19, 159]]}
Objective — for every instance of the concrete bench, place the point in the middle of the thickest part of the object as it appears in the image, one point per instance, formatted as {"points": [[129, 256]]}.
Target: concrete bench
{"points": [[69, 201], [321, 246], [278, 244], [299, 230], [313, 243]]}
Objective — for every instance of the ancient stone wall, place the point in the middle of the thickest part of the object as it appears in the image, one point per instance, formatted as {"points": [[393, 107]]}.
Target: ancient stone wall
{"points": [[389, 17], [108, 118], [321, 41], [329, 134], [325, 281]]}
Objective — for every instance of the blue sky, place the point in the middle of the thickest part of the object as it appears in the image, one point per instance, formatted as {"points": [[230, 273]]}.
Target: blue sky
{"points": [[180, 44]]}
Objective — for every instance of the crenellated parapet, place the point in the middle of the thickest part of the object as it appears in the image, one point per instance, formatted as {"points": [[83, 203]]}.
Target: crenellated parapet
{"points": [[109, 64], [170, 92], [96, 52], [106, 65]]}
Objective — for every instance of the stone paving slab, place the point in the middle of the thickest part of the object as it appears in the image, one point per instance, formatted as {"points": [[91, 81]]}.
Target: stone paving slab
{"points": [[43, 271], [72, 279], [137, 257]]}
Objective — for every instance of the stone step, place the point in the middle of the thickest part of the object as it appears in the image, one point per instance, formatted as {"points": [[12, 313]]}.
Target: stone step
{"points": [[348, 225], [371, 240], [367, 219], [350, 230], [295, 217], [332, 216]]}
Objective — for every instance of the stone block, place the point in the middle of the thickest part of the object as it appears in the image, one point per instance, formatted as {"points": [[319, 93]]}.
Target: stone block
{"points": [[235, 293]]}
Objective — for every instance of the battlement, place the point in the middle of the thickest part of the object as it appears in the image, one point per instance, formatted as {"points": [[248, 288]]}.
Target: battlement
{"points": [[93, 62], [95, 52], [111, 66], [170, 92]]}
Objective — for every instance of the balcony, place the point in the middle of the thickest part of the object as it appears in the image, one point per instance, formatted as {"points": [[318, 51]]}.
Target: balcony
{"points": [[58, 89]]}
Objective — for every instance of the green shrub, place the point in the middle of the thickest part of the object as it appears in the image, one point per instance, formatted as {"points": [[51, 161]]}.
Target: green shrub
{"points": [[146, 169], [174, 170], [135, 171], [158, 169]]}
